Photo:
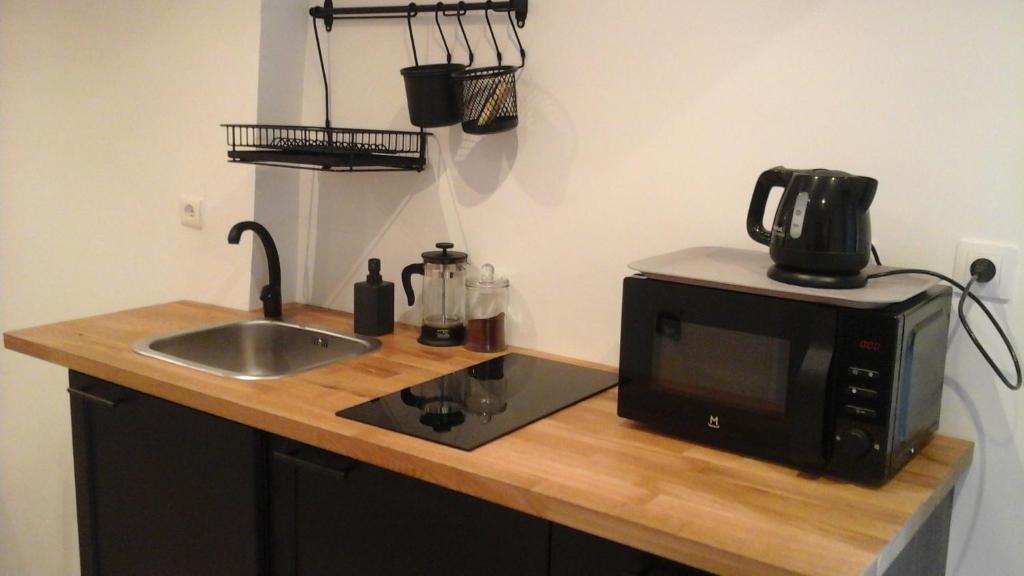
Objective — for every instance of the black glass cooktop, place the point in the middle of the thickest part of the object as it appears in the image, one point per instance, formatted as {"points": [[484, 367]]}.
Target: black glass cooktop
{"points": [[471, 407]]}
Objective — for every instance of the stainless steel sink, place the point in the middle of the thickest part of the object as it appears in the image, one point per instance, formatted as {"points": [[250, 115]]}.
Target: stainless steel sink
{"points": [[256, 349]]}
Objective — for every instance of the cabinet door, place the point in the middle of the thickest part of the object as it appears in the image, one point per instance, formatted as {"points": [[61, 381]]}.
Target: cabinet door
{"points": [[335, 516], [163, 489], [575, 553]]}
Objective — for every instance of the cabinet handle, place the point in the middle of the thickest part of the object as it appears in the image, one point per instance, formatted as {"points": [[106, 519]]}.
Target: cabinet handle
{"points": [[93, 398], [294, 460], [651, 571]]}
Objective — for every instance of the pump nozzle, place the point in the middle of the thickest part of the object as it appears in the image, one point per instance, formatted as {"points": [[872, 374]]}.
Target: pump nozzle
{"points": [[374, 278]]}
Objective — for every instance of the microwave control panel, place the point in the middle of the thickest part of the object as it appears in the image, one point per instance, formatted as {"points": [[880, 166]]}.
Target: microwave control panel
{"points": [[862, 392], [887, 385]]}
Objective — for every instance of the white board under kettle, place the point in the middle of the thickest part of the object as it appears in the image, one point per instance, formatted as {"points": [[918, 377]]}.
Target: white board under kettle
{"points": [[747, 271]]}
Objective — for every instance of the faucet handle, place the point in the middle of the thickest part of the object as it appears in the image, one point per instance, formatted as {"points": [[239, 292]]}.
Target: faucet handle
{"points": [[271, 298]]}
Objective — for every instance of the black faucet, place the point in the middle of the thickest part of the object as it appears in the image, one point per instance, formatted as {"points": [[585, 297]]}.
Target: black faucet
{"points": [[271, 293]]}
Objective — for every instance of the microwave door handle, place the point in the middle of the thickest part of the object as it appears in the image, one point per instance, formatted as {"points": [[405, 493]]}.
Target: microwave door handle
{"points": [[806, 410]]}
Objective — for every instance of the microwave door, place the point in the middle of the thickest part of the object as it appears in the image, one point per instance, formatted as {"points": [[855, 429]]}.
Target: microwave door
{"points": [[742, 371]]}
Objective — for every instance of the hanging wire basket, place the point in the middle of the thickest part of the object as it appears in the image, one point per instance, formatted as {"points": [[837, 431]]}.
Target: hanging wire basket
{"points": [[487, 95]]}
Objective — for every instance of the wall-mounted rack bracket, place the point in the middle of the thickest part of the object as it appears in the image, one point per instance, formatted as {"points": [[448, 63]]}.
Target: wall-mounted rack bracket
{"points": [[358, 150], [329, 12]]}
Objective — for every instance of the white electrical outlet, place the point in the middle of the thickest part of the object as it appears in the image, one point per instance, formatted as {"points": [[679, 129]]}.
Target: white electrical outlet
{"points": [[191, 211], [1002, 255]]}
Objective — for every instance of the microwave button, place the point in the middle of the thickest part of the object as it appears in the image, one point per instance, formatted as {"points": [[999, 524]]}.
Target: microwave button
{"points": [[860, 392], [852, 445], [861, 412], [863, 373]]}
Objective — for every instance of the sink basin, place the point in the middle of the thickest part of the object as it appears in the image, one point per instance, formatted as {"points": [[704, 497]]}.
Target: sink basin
{"points": [[256, 349]]}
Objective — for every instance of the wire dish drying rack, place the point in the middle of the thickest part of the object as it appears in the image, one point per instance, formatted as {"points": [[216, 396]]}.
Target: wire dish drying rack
{"points": [[363, 150], [332, 149]]}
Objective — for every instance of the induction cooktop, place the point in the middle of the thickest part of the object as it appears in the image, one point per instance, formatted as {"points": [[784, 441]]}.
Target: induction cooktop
{"points": [[471, 407]]}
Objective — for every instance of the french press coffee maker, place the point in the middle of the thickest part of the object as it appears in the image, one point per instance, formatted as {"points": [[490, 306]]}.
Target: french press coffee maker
{"points": [[443, 296]]}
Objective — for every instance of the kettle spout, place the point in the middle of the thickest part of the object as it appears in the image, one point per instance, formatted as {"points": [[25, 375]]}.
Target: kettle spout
{"points": [[867, 193]]}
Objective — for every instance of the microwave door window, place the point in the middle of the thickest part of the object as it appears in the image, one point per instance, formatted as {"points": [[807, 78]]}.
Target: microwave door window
{"points": [[721, 366]]}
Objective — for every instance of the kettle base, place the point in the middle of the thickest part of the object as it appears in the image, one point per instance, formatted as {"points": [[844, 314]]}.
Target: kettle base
{"points": [[813, 280]]}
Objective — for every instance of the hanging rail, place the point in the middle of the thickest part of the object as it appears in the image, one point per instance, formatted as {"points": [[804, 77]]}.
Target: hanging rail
{"points": [[328, 13]]}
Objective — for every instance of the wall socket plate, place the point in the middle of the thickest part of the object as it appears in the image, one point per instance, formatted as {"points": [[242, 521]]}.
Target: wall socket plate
{"points": [[191, 212], [1004, 256]]}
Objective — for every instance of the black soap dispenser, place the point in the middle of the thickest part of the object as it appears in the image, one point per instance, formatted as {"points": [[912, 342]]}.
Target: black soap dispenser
{"points": [[374, 303]]}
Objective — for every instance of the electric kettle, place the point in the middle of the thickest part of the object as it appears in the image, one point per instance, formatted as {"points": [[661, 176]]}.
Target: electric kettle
{"points": [[444, 295], [821, 236]]}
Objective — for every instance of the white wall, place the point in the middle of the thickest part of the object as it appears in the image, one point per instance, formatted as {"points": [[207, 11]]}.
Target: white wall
{"points": [[643, 128], [283, 56], [108, 112]]}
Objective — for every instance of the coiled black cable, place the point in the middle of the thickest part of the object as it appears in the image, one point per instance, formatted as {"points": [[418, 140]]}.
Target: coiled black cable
{"points": [[966, 293]]}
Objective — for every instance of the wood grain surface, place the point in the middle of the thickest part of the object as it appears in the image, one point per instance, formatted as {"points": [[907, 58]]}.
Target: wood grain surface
{"points": [[583, 467]]}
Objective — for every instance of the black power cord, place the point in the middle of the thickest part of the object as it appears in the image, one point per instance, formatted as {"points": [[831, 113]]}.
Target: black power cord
{"points": [[982, 270]]}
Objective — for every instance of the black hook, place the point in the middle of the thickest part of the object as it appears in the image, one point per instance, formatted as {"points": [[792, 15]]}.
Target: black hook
{"points": [[437, 20], [487, 16], [459, 13], [522, 51], [409, 15]]}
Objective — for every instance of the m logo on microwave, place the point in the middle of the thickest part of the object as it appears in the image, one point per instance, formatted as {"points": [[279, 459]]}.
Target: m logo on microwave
{"points": [[713, 422]]}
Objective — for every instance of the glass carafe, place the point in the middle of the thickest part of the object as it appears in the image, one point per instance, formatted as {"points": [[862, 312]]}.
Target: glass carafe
{"points": [[443, 296], [441, 402]]}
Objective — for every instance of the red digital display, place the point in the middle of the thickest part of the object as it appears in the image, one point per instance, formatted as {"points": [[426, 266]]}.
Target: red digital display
{"points": [[872, 345]]}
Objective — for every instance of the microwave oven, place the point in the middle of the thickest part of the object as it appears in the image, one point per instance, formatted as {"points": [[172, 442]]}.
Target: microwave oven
{"points": [[830, 389]]}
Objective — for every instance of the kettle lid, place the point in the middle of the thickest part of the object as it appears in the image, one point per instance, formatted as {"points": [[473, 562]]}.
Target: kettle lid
{"points": [[826, 173], [444, 256]]}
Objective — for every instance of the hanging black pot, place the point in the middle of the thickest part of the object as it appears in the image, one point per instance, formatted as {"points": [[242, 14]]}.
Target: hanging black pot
{"points": [[487, 95], [429, 88]]}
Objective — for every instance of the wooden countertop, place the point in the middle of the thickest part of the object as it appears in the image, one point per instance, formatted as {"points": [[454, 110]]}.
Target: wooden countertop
{"points": [[583, 467]]}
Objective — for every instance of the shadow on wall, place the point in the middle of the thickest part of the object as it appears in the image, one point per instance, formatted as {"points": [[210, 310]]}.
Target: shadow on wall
{"points": [[482, 162], [980, 459], [549, 135], [995, 462], [521, 325], [355, 211]]}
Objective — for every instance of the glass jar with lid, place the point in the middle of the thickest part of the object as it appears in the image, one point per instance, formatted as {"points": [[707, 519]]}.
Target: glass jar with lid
{"points": [[486, 308]]}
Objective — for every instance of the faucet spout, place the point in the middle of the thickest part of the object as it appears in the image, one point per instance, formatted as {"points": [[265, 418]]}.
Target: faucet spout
{"points": [[271, 293]]}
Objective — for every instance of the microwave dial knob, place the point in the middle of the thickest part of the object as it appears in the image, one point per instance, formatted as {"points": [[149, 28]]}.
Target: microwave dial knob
{"points": [[853, 444]]}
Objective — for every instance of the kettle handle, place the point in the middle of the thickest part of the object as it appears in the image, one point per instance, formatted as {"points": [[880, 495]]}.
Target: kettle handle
{"points": [[407, 273], [778, 176]]}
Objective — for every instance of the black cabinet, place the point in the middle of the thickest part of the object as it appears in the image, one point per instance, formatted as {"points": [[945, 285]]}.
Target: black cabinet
{"points": [[163, 489], [331, 515], [575, 553]]}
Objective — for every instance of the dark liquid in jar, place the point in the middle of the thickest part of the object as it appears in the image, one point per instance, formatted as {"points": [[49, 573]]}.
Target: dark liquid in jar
{"points": [[486, 334]]}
